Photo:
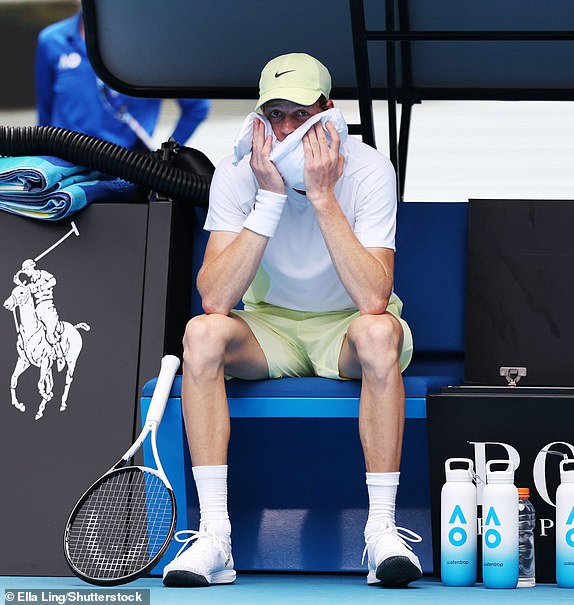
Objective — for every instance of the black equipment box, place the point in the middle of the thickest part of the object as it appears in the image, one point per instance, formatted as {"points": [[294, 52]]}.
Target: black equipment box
{"points": [[114, 270], [517, 399], [532, 426]]}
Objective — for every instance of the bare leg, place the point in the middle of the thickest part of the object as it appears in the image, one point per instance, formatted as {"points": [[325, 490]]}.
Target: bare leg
{"points": [[214, 344], [371, 352]]}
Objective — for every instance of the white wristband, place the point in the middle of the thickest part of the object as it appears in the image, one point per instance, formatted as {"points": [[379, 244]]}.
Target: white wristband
{"points": [[267, 209]]}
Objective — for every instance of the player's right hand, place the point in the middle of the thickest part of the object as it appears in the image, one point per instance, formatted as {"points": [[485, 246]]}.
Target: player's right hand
{"points": [[265, 171]]}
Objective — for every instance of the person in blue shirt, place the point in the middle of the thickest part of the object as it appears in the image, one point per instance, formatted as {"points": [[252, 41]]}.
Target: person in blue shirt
{"points": [[70, 95]]}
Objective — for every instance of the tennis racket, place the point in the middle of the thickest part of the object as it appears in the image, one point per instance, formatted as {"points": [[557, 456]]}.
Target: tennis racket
{"points": [[124, 522]]}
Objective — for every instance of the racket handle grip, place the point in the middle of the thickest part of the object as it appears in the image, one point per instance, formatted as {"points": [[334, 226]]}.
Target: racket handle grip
{"points": [[169, 367]]}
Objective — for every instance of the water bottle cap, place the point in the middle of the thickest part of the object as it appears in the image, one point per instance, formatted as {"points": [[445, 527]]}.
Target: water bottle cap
{"points": [[524, 493], [501, 476], [567, 476], [466, 473]]}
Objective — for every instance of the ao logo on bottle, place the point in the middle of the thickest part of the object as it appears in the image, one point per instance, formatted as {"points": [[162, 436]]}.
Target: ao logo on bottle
{"points": [[458, 535], [492, 537]]}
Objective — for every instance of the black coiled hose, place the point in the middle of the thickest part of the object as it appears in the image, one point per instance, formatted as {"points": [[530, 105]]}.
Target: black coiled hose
{"points": [[98, 154]]}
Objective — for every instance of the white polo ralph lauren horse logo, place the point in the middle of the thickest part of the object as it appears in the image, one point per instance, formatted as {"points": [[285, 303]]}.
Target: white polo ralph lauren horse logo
{"points": [[42, 337]]}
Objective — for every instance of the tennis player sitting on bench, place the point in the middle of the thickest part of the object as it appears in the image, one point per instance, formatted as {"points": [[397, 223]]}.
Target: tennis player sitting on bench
{"points": [[314, 266]]}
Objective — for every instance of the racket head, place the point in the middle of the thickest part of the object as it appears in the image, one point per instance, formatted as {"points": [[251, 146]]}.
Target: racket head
{"points": [[120, 527]]}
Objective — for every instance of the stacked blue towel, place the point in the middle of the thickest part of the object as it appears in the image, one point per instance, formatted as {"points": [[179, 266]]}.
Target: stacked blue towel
{"points": [[52, 189]]}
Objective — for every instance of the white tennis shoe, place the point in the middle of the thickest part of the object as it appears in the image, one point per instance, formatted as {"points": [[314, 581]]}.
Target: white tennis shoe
{"points": [[391, 561], [203, 560]]}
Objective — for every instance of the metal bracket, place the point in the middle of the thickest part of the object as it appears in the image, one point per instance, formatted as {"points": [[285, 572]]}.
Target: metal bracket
{"points": [[513, 375]]}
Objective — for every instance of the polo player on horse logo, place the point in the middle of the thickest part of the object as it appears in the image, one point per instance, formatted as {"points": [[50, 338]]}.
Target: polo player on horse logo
{"points": [[42, 337]]}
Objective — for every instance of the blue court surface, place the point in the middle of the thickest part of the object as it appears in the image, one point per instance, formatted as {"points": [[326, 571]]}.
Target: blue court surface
{"points": [[277, 589]]}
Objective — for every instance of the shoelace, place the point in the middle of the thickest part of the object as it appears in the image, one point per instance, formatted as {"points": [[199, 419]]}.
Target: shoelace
{"points": [[402, 533], [197, 535]]}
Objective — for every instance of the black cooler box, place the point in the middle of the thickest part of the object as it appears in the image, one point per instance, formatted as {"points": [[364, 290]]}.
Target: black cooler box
{"points": [[518, 398]]}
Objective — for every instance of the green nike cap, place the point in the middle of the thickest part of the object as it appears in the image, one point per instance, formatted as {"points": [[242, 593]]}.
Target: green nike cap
{"points": [[296, 77]]}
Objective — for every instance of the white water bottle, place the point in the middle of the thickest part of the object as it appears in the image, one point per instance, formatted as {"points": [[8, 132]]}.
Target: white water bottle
{"points": [[565, 526], [458, 524], [500, 526]]}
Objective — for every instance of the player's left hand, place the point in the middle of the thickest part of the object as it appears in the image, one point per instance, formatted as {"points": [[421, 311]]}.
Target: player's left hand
{"points": [[323, 162]]}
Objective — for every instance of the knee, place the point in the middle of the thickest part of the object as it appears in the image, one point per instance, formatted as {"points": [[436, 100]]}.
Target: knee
{"points": [[377, 340], [205, 339]]}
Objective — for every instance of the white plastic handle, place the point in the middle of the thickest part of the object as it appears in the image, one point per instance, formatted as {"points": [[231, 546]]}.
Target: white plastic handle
{"points": [[466, 461], [169, 367], [509, 466]]}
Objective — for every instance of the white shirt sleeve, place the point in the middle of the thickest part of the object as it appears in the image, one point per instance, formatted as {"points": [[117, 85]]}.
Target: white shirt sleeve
{"points": [[231, 196], [376, 206]]}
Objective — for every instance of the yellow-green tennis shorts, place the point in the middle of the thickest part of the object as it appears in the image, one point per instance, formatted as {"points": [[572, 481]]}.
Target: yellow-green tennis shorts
{"points": [[300, 343]]}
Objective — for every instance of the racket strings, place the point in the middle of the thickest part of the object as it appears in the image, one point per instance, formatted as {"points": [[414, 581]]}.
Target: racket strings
{"points": [[122, 525]]}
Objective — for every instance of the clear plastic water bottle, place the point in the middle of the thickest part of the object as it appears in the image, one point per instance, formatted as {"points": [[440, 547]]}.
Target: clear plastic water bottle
{"points": [[526, 525]]}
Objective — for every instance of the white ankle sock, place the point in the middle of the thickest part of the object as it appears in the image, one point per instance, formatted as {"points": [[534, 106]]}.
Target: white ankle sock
{"points": [[382, 488], [211, 484]]}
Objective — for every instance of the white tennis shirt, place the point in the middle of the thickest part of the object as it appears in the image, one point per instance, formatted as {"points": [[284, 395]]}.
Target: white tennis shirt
{"points": [[296, 270]]}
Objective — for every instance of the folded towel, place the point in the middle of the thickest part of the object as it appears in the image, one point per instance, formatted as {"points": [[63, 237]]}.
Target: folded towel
{"points": [[51, 188], [289, 155], [39, 173]]}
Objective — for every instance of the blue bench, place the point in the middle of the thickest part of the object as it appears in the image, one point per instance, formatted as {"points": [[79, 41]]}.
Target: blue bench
{"points": [[292, 524]]}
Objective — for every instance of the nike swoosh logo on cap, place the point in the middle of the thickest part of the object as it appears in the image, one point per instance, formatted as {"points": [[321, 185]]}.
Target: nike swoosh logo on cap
{"points": [[279, 74]]}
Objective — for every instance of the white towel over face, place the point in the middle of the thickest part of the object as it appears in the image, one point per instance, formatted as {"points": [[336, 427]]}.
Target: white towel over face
{"points": [[289, 155]]}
